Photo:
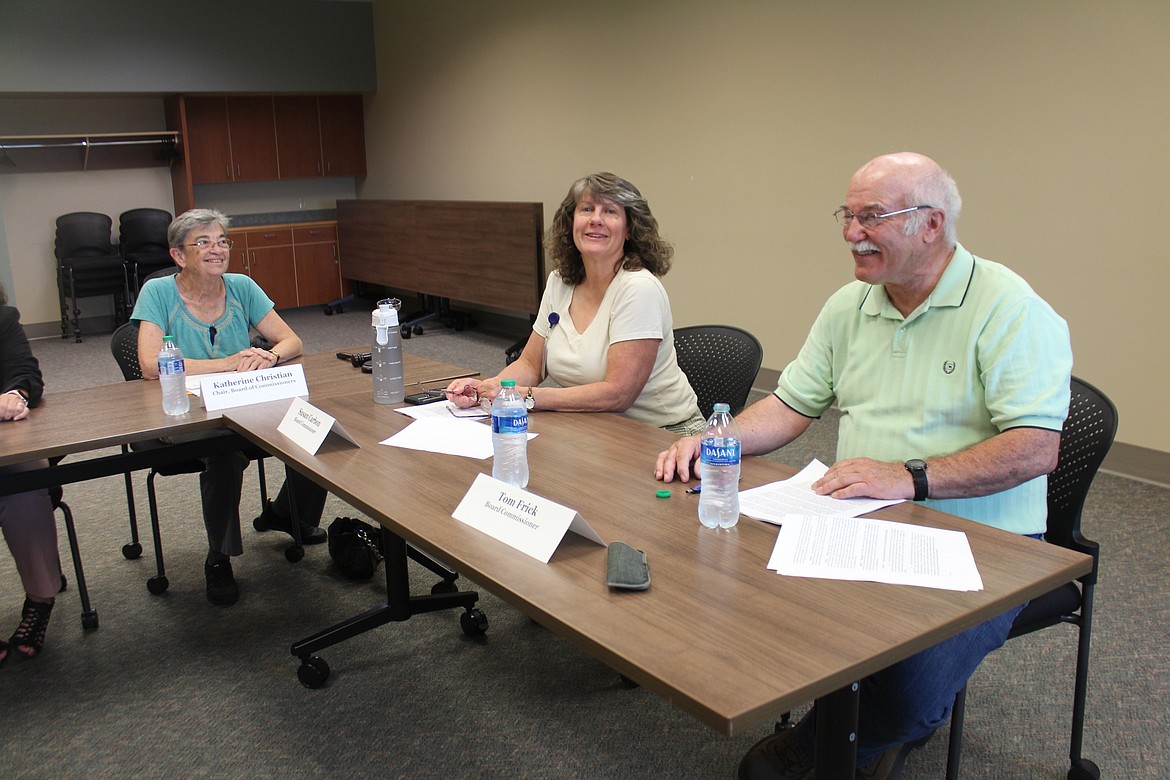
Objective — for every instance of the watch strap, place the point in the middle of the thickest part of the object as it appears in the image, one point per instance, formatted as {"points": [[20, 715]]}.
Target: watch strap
{"points": [[917, 469]]}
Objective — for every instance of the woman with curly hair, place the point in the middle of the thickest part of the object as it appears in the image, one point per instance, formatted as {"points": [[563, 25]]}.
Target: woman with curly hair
{"points": [[604, 334]]}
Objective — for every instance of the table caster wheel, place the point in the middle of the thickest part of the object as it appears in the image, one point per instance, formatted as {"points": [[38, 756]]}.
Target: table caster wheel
{"points": [[404, 331], [313, 672], [89, 620], [327, 309], [418, 330], [443, 587], [474, 622], [293, 553], [157, 585], [132, 551]]}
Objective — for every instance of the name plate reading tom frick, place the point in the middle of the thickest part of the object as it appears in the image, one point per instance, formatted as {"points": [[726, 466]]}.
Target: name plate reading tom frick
{"points": [[523, 520], [223, 391]]}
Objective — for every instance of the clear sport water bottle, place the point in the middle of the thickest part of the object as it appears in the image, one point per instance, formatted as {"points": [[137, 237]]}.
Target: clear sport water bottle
{"points": [[719, 455], [386, 357], [172, 375], [510, 436]]}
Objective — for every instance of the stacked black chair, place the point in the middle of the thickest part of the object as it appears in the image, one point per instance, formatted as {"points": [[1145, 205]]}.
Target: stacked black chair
{"points": [[721, 363], [142, 241], [1085, 441], [124, 346], [88, 265]]}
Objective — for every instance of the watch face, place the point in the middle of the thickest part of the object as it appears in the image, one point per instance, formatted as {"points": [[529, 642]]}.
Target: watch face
{"points": [[916, 464]]}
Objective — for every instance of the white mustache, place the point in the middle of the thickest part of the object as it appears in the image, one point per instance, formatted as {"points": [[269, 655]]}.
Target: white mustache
{"points": [[863, 246]]}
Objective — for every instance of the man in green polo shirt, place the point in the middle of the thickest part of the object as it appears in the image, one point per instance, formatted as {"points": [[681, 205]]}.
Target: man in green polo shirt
{"points": [[952, 378]]}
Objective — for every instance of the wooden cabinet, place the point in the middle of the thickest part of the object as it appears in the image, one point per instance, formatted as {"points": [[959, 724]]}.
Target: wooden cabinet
{"points": [[318, 264], [230, 139], [343, 135], [320, 135], [262, 137], [295, 265]]}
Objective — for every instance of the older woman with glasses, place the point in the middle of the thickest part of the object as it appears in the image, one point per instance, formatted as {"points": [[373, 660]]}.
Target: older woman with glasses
{"points": [[604, 332], [211, 312]]}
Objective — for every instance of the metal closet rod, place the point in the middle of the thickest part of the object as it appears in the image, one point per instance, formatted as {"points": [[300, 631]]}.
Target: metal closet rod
{"points": [[84, 143]]}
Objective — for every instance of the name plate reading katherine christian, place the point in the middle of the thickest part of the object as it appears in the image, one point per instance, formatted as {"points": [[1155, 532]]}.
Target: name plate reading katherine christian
{"points": [[531, 524], [223, 391]]}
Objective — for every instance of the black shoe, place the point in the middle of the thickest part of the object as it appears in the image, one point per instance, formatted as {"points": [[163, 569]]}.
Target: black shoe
{"points": [[30, 634], [221, 585], [777, 757], [269, 520]]}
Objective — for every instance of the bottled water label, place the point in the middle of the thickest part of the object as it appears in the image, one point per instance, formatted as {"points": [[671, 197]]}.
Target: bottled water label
{"points": [[509, 424], [170, 366], [719, 454]]}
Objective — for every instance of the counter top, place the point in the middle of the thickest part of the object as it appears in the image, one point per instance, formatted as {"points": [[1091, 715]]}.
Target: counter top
{"points": [[283, 217]]}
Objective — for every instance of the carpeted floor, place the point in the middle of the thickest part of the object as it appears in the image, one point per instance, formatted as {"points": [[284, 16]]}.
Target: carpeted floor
{"points": [[171, 686]]}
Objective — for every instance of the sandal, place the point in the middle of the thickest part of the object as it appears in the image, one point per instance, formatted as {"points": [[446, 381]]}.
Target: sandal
{"points": [[30, 634]]}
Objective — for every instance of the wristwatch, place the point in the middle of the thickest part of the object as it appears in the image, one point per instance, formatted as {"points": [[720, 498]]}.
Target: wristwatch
{"points": [[529, 401], [917, 469]]}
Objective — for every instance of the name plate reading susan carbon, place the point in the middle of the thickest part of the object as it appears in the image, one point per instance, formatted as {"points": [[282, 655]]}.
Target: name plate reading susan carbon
{"points": [[308, 426], [523, 520], [223, 391]]}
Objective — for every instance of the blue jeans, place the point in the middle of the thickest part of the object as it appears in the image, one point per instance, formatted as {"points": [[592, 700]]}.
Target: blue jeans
{"points": [[908, 701]]}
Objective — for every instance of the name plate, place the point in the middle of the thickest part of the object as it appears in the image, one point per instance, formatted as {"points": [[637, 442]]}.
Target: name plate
{"points": [[523, 520], [308, 426], [223, 391]]}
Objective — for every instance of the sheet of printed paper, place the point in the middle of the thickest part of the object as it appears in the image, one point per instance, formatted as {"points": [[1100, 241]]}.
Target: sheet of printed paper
{"points": [[795, 496], [857, 548]]}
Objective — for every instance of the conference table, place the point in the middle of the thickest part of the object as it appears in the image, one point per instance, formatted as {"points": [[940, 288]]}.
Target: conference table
{"points": [[717, 633]]}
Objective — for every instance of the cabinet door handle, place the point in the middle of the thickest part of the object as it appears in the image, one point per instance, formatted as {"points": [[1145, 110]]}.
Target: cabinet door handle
{"points": [[227, 170], [237, 170], [270, 235], [254, 263]]}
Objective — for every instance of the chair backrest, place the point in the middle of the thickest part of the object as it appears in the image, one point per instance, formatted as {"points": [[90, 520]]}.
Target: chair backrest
{"points": [[160, 273], [721, 363], [143, 230], [1084, 442], [124, 346], [83, 234]]}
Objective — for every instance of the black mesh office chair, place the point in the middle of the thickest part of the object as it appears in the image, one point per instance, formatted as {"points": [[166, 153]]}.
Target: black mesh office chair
{"points": [[124, 346], [142, 241], [88, 265], [1087, 436], [721, 363]]}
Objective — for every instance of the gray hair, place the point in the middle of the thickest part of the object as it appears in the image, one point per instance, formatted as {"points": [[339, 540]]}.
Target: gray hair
{"points": [[935, 188], [191, 220]]}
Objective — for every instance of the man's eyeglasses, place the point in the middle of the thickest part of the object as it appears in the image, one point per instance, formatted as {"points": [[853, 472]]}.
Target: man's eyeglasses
{"points": [[204, 244], [870, 219]]}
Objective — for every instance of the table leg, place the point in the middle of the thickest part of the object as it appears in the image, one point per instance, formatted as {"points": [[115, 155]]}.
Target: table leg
{"points": [[836, 743]]}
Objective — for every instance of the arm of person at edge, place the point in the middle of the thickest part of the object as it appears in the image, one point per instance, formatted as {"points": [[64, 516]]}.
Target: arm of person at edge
{"points": [[628, 367], [1007, 459], [20, 370], [286, 345]]}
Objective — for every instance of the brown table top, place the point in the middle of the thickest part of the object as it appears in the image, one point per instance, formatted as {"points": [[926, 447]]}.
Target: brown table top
{"points": [[717, 633], [110, 415]]}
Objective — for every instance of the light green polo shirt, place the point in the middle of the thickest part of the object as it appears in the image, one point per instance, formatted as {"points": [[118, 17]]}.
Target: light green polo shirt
{"points": [[984, 353]]}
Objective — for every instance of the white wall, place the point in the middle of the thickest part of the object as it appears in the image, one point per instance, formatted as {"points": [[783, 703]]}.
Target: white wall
{"points": [[742, 123]]}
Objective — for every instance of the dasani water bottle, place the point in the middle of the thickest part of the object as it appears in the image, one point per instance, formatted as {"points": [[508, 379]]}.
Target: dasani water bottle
{"points": [[719, 454], [510, 436], [172, 375]]}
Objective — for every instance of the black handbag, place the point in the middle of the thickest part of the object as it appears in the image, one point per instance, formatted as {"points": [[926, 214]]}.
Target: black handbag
{"points": [[355, 547]]}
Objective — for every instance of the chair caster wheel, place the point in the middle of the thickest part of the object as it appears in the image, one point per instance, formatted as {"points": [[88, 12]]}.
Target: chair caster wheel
{"points": [[293, 553], [259, 524], [1084, 769], [157, 585], [132, 551], [443, 587], [89, 620], [313, 672], [474, 622]]}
